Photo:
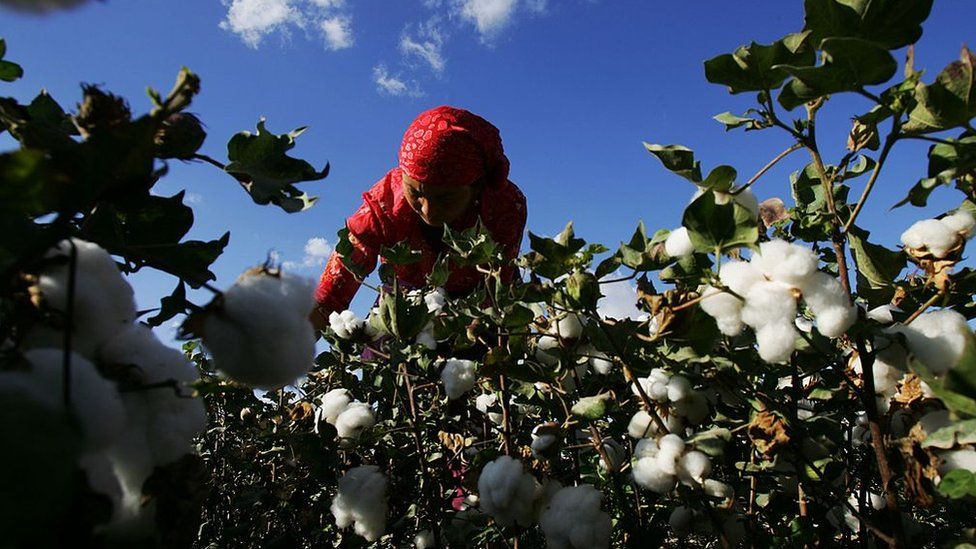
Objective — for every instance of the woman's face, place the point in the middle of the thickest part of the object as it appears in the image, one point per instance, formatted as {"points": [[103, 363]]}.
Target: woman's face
{"points": [[440, 205]]}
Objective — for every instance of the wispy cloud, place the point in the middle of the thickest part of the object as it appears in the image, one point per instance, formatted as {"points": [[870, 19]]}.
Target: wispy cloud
{"points": [[317, 251], [338, 32], [426, 44], [488, 16], [393, 84]]}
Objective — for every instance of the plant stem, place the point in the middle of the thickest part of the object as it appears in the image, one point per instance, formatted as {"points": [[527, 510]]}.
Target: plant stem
{"points": [[885, 149], [767, 167], [931, 301]]}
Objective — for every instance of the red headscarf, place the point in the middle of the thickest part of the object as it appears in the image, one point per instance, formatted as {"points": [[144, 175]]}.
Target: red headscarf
{"points": [[443, 146], [449, 146]]}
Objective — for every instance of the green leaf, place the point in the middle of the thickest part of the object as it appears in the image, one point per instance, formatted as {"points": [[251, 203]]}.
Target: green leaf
{"points": [[9, 71], [347, 251], [261, 163], [849, 64], [170, 306], [583, 290], [472, 246], [948, 102], [755, 67], [948, 162], [400, 253], [877, 267], [591, 408], [945, 437], [713, 226], [958, 483], [719, 179], [732, 121], [401, 316], [890, 23], [677, 158]]}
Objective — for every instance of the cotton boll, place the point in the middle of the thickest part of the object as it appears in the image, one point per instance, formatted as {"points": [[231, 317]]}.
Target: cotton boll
{"points": [[717, 489], [645, 448], [931, 235], [680, 521], [94, 400], [784, 262], [679, 388], [641, 425], [776, 342], [507, 493], [435, 300], [883, 314], [748, 200], [694, 466], [103, 301], [352, 421], [933, 421], [739, 276], [769, 303], [458, 377], [649, 475], [101, 478], [598, 360], [573, 519], [334, 403], [938, 339], [346, 324], [694, 408], [958, 459], [961, 223], [361, 502], [825, 296], [670, 448], [678, 243], [615, 453], [568, 327], [426, 337], [541, 445], [261, 335], [725, 308]]}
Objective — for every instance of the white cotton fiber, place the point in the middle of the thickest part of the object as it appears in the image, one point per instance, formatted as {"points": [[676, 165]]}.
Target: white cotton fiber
{"points": [[937, 339], [694, 408], [641, 425], [958, 459], [103, 301], [717, 489], [459, 377], [739, 276], [352, 421], [649, 475], [785, 262], [361, 502], [961, 223], [424, 540], [776, 342], [346, 324], [725, 308], [426, 337], [829, 303], [679, 388], [931, 235], [573, 519], [769, 303], [435, 300], [569, 326], [694, 466], [261, 335], [678, 243], [334, 403], [507, 493]]}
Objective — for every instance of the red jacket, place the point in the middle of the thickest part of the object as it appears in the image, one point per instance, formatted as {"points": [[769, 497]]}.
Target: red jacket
{"points": [[385, 218]]}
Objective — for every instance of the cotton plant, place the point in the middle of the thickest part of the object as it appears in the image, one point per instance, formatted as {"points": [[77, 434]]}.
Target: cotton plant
{"points": [[763, 294], [258, 331], [361, 502], [573, 519]]}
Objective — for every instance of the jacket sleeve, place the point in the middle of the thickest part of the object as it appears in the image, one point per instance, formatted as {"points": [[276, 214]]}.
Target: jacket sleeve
{"points": [[338, 285]]}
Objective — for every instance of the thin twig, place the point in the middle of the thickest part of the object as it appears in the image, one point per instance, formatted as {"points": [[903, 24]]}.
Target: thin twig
{"points": [[767, 167]]}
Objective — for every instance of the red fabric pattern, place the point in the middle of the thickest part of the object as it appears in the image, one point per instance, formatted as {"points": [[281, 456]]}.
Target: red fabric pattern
{"points": [[454, 147]]}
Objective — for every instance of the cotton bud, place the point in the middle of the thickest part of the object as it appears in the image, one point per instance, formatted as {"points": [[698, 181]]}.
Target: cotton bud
{"points": [[459, 377], [361, 502], [352, 421], [345, 324], [573, 519], [100, 111], [180, 136], [435, 300], [259, 333], [678, 243], [507, 493]]}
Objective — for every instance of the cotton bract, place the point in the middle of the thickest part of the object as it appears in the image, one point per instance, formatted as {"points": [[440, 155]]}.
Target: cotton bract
{"points": [[458, 377], [573, 519], [261, 335], [361, 502], [507, 492]]}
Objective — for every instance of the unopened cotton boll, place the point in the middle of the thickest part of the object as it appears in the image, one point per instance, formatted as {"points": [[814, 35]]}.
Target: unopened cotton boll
{"points": [[745, 198], [825, 296], [261, 335], [345, 324], [573, 519], [507, 493], [352, 421], [678, 243], [931, 235], [725, 308], [458, 377], [938, 339], [104, 302], [435, 300], [785, 262], [361, 502], [334, 403]]}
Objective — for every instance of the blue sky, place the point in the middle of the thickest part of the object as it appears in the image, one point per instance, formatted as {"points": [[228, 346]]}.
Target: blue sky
{"points": [[575, 86]]}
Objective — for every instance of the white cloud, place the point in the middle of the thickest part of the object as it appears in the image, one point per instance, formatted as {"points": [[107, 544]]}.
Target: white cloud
{"points": [[317, 251], [193, 198], [252, 20], [489, 16], [337, 31], [393, 84], [329, 4], [537, 6], [427, 45], [619, 300]]}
